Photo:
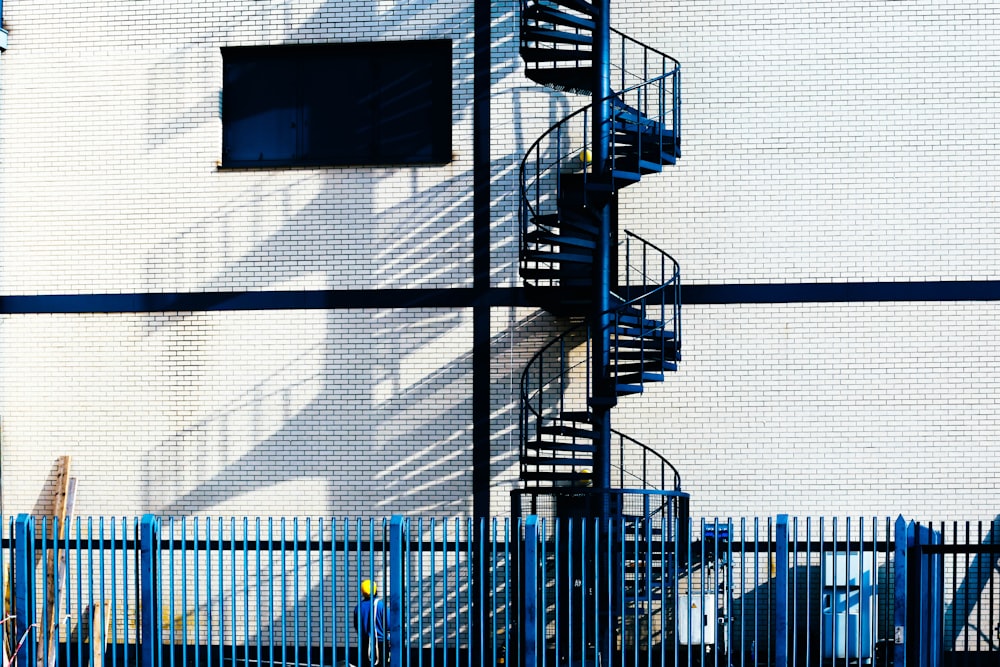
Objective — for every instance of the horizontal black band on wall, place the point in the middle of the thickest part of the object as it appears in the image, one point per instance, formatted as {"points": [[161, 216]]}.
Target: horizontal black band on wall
{"points": [[973, 290]]}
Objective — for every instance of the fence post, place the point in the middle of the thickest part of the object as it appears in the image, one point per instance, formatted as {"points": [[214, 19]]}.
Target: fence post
{"points": [[899, 593], [397, 569], [149, 568], [25, 642], [529, 628], [781, 592]]}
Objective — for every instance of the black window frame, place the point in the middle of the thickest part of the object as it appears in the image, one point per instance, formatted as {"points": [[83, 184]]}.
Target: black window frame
{"points": [[343, 104]]}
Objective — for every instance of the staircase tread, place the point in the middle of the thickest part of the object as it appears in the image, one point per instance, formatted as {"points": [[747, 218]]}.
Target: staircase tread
{"points": [[649, 365], [646, 356], [577, 6], [647, 342], [540, 12], [637, 379], [550, 55], [570, 431], [540, 476], [566, 224], [547, 446], [544, 237], [623, 177], [556, 461], [638, 321], [646, 334], [551, 35], [546, 256], [571, 79]]}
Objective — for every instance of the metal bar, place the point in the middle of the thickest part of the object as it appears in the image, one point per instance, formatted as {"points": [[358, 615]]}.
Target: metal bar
{"points": [[283, 583], [433, 590], [101, 553], [114, 597], [445, 580], [183, 583], [397, 567], [24, 589], [148, 602], [529, 628]]}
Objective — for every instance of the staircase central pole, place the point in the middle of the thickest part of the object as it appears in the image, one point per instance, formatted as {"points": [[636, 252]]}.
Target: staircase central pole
{"points": [[603, 389]]}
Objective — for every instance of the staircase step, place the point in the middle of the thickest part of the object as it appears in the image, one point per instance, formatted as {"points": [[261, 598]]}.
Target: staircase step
{"points": [[657, 333], [536, 273], [543, 237], [557, 461], [627, 116], [647, 365], [630, 164], [562, 257], [535, 54], [648, 342], [638, 378], [581, 479], [630, 320], [624, 177], [577, 6], [626, 389], [576, 416], [653, 146], [568, 223], [550, 36], [664, 357], [553, 446], [634, 372], [548, 14], [570, 432], [570, 79]]}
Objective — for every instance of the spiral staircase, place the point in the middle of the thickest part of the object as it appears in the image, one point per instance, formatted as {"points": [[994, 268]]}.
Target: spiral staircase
{"points": [[619, 293]]}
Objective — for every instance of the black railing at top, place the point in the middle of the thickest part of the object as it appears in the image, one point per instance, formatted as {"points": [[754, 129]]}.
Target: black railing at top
{"points": [[566, 147]]}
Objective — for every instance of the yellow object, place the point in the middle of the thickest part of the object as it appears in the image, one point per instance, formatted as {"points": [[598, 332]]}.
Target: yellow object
{"points": [[368, 588], [585, 156]]}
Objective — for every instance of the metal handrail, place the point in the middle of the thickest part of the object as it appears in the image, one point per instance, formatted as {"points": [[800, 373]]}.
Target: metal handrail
{"points": [[556, 385], [570, 153], [664, 464], [548, 380]]}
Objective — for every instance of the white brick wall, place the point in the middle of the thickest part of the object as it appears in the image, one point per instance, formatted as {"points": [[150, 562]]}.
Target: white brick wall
{"points": [[835, 409], [112, 134], [359, 412], [847, 143], [827, 143], [854, 142]]}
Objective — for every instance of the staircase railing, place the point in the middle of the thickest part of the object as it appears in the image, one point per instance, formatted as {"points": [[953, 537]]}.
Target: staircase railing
{"points": [[556, 383], [651, 283], [654, 471], [561, 243], [644, 110]]}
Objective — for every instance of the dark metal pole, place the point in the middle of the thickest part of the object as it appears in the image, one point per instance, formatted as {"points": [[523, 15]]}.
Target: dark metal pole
{"points": [[600, 202]]}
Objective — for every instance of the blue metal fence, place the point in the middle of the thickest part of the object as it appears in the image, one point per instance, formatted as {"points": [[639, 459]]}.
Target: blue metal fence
{"points": [[196, 592]]}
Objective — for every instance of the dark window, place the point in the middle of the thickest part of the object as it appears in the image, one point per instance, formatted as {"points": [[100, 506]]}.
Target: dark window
{"points": [[379, 103]]}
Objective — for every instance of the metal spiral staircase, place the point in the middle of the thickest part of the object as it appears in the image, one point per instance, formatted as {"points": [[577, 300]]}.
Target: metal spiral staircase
{"points": [[621, 292]]}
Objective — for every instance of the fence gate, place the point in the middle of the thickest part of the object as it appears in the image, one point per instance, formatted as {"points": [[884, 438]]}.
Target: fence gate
{"points": [[951, 614]]}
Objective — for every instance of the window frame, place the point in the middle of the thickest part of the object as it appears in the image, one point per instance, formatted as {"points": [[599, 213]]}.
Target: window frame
{"points": [[383, 115]]}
